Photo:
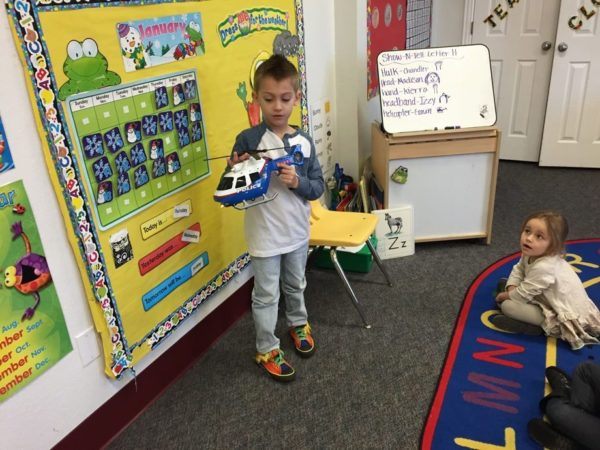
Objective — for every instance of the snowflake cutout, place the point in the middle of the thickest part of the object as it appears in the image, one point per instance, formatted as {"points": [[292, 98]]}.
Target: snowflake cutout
{"points": [[138, 155], [162, 99], [165, 121], [122, 162], [140, 176], [189, 89], [113, 140], [123, 185], [196, 132], [149, 125], [158, 167], [102, 169], [181, 119], [184, 137], [92, 145]]}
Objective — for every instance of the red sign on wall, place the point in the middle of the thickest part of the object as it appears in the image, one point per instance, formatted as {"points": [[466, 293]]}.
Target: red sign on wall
{"points": [[386, 30]]}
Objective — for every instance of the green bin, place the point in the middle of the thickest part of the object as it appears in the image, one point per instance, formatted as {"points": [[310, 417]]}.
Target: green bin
{"points": [[360, 261]]}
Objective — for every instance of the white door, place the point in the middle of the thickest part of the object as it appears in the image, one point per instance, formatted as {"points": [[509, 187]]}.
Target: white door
{"points": [[521, 64], [572, 130]]}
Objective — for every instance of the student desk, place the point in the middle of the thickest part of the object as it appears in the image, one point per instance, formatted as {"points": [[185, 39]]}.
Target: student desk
{"points": [[451, 179]]}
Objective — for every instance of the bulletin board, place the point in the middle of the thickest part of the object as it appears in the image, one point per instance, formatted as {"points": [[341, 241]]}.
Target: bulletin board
{"points": [[436, 88], [132, 103]]}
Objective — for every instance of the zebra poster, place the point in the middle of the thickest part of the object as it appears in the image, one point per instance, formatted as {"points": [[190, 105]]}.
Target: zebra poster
{"points": [[395, 236]]}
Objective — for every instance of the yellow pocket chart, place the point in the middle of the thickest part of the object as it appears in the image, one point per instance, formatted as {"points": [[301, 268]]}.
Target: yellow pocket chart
{"points": [[133, 103]]}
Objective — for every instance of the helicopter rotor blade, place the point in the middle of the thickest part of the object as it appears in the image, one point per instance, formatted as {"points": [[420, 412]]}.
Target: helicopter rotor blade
{"points": [[250, 151]]}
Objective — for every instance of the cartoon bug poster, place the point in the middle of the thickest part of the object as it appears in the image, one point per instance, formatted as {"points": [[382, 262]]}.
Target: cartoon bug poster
{"points": [[130, 140], [33, 334]]}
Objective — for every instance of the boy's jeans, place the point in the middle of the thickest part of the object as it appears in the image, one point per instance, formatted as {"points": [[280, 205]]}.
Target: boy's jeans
{"points": [[290, 268]]}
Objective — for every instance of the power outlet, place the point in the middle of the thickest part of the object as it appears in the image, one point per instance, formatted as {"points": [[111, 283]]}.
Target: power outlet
{"points": [[88, 346]]}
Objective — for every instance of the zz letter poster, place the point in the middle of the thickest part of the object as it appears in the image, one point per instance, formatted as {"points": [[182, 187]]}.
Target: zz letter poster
{"points": [[138, 103], [33, 334]]}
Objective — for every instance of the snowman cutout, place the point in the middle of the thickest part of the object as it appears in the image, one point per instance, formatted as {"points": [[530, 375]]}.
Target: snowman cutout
{"points": [[178, 96], [132, 136], [194, 113], [104, 194], [134, 54], [154, 150]]}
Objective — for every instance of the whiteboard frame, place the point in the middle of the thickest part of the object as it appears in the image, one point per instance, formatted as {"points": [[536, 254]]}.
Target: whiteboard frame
{"points": [[402, 108]]}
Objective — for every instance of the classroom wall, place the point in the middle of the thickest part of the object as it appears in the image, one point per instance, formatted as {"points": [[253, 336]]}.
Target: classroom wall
{"points": [[61, 398], [447, 23], [355, 112], [66, 394], [353, 142]]}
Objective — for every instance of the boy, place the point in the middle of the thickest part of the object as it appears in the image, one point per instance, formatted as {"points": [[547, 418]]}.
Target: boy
{"points": [[277, 232]]}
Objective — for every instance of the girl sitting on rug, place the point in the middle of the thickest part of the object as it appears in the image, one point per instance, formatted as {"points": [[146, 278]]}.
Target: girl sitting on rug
{"points": [[543, 294]]}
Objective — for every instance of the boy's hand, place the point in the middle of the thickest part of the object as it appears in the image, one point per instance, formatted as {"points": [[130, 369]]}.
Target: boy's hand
{"points": [[288, 175], [237, 159]]}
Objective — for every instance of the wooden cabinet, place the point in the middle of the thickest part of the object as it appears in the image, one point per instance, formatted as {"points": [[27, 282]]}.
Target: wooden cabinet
{"points": [[451, 181]]}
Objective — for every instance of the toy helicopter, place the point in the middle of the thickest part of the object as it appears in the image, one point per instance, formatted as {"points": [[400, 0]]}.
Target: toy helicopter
{"points": [[246, 183]]}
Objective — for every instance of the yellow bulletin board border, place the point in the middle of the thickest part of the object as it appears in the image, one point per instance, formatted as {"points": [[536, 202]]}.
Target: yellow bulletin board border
{"points": [[27, 30]]}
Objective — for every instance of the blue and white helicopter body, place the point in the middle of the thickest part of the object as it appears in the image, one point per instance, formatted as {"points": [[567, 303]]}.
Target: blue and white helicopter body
{"points": [[245, 184]]}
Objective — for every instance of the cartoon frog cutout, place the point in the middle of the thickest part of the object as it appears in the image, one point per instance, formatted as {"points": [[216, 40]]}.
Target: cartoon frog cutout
{"points": [[29, 274], [86, 68], [134, 54]]}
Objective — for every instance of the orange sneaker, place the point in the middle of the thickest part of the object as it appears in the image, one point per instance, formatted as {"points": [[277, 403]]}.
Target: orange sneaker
{"points": [[303, 340], [276, 365]]}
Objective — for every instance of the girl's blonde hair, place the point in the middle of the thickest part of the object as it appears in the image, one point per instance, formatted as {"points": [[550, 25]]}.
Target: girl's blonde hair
{"points": [[558, 229]]}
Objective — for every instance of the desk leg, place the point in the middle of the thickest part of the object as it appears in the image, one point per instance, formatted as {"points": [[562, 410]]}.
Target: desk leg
{"points": [[378, 261], [340, 271]]}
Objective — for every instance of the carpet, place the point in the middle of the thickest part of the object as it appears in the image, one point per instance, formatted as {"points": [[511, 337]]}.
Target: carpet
{"points": [[492, 381]]}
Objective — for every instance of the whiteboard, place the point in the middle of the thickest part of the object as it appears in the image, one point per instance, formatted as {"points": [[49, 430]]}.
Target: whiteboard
{"points": [[436, 88]]}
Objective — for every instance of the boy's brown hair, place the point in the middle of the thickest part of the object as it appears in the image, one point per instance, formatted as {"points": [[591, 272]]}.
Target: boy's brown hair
{"points": [[278, 68], [558, 229]]}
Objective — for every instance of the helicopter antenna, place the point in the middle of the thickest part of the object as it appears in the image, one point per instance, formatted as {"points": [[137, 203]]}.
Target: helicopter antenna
{"points": [[256, 150]]}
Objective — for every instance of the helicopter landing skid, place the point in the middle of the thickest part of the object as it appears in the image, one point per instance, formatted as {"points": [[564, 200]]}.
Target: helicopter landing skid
{"points": [[255, 202]]}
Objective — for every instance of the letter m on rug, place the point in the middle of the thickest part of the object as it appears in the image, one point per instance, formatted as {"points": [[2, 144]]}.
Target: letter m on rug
{"points": [[495, 393], [492, 355]]}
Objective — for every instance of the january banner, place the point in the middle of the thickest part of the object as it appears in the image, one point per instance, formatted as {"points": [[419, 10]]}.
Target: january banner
{"points": [[6, 162], [151, 42], [33, 334]]}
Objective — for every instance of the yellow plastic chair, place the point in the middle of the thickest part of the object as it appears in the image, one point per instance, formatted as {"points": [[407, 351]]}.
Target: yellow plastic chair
{"points": [[343, 229]]}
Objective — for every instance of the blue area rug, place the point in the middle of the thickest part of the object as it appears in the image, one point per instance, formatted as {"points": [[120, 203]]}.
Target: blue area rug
{"points": [[492, 381]]}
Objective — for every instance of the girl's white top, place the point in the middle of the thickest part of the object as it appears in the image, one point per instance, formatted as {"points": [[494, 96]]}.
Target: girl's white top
{"points": [[551, 283]]}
